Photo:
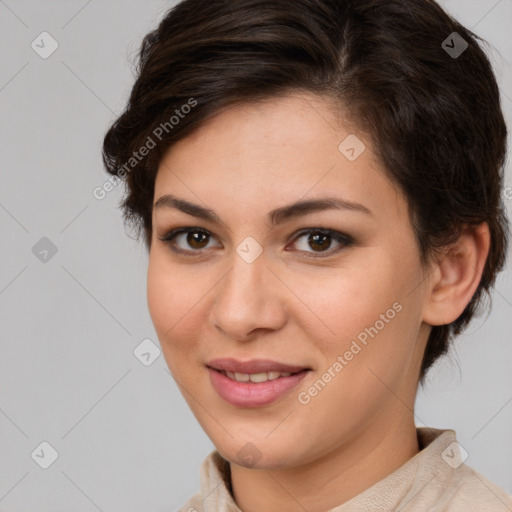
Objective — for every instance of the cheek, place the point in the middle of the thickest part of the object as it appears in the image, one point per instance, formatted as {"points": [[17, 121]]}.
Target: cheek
{"points": [[174, 300], [378, 336], [344, 301], [366, 312], [162, 301]]}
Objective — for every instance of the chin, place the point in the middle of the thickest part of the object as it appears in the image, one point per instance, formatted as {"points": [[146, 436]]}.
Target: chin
{"points": [[258, 454]]}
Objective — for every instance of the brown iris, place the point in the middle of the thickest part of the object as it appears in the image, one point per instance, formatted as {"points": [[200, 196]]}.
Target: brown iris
{"points": [[197, 237], [319, 240]]}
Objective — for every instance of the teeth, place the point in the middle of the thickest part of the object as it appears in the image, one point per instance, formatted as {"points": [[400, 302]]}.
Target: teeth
{"points": [[256, 377]]}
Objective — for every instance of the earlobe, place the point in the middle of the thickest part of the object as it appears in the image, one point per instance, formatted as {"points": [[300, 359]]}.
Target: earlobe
{"points": [[456, 275]]}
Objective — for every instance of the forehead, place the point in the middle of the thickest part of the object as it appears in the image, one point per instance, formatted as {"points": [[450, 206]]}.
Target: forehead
{"points": [[274, 152]]}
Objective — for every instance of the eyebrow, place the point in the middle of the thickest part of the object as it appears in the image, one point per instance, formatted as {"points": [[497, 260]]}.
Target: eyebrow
{"points": [[277, 216]]}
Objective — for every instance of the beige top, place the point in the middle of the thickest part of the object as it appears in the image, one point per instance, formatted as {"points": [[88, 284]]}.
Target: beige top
{"points": [[434, 480]]}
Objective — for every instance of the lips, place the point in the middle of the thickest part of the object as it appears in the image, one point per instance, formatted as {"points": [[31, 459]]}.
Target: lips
{"points": [[228, 364], [254, 394], [254, 383]]}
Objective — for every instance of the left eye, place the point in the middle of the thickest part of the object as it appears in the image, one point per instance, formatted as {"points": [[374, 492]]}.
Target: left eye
{"points": [[320, 240]]}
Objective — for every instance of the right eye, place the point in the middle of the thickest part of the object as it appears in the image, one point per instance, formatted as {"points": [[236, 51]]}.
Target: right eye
{"points": [[195, 238]]}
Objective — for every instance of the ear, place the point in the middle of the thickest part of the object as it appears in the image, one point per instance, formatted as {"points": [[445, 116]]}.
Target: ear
{"points": [[456, 275]]}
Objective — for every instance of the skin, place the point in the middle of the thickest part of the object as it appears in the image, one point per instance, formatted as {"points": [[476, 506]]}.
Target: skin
{"points": [[243, 163]]}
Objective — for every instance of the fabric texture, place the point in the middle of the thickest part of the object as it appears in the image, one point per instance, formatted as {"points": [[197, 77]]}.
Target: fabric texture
{"points": [[434, 480]]}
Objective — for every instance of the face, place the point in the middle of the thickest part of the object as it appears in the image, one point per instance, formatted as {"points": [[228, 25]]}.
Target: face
{"points": [[334, 288]]}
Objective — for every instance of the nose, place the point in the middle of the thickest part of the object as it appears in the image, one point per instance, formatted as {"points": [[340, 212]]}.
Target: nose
{"points": [[249, 300]]}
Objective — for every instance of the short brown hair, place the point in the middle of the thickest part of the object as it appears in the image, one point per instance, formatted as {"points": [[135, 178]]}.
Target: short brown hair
{"points": [[434, 118]]}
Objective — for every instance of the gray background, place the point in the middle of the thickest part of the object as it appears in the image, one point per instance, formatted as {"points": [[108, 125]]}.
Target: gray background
{"points": [[125, 438]]}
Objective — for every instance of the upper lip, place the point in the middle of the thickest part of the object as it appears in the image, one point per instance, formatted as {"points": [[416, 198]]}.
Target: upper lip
{"points": [[252, 366]]}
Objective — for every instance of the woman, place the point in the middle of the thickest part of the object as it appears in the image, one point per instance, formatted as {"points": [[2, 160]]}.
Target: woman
{"points": [[318, 183]]}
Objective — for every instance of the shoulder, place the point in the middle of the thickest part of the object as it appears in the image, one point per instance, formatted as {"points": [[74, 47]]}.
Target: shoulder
{"points": [[194, 504], [466, 489], [452, 485]]}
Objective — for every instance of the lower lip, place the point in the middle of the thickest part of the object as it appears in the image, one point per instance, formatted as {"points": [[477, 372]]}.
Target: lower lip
{"points": [[253, 394]]}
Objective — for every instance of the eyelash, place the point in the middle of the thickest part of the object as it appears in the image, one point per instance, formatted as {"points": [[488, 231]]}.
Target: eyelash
{"points": [[342, 238]]}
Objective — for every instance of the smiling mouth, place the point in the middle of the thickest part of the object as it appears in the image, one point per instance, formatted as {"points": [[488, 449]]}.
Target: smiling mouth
{"points": [[258, 377], [258, 389]]}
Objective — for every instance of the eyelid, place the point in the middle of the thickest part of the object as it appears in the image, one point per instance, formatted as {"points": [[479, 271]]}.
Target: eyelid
{"points": [[342, 238]]}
